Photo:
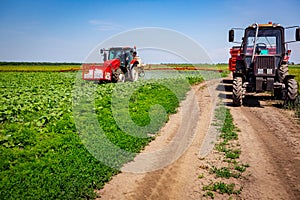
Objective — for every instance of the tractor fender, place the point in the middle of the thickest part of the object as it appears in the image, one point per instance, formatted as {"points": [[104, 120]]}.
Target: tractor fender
{"points": [[114, 64], [288, 77], [134, 62], [238, 74]]}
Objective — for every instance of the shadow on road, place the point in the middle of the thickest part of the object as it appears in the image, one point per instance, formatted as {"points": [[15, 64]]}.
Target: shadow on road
{"points": [[250, 100]]}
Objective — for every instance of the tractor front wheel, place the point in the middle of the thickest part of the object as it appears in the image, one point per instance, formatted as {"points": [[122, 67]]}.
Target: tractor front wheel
{"points": [[283, 71], [237, 91]]}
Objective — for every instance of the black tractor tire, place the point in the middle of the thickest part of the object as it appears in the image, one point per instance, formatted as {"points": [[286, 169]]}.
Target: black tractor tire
{"points": [[119, 76], [283, 71], [237, 91], [292, 89]]}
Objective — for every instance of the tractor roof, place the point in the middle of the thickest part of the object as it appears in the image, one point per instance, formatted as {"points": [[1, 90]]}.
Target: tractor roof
{"points": [[270, 24], [121, 48]]}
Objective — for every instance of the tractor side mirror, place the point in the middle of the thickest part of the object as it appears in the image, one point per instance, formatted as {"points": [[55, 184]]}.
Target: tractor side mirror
{"points": [[231, 35], [104, 56], [298, 34], [101, 51]]}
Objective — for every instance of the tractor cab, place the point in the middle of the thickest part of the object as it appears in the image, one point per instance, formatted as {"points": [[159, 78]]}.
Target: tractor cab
{"points": [[268, 41], [264, 43], [123, 54]]}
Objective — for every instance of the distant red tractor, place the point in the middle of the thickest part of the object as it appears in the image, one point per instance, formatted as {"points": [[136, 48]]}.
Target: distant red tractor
{"points": [[260, 63], [119, 66]]}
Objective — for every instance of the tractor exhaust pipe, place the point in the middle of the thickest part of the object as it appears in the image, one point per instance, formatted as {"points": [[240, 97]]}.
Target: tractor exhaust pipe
{"points": [[254, 46]]}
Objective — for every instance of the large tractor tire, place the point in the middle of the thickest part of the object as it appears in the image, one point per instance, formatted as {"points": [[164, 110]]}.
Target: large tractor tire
{"points": [[237, 91], [121, 78], [283, 71], [292, 90], [118, 76], [134, 74]]}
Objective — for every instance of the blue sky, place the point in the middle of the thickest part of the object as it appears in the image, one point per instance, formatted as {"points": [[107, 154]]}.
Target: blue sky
{"points": [[67, 30]]}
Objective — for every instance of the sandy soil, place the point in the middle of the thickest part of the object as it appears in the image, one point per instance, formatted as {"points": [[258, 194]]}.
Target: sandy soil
{"points": [[269, 141]]}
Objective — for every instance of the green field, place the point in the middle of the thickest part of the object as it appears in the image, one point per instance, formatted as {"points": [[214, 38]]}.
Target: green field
{"points": [[38, 68], [43, 154], [295, 70]]}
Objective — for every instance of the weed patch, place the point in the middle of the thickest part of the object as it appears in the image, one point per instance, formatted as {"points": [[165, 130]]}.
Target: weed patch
{"points": [[222, 188], [229, 147]]}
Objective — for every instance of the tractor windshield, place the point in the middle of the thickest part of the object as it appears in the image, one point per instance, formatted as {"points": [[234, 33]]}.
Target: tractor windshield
{"points": [[115, 53], [118, 53], [123, 54], [268, 42]]}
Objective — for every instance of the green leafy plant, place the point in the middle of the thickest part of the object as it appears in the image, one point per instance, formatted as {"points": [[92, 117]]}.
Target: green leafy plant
{"points": [[209, 194], [224, 172], [222, 188], [201, 176], [228, 148]]}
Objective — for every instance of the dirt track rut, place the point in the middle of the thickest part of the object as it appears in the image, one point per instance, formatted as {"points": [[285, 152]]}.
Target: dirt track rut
{"points": [[270, 142]]}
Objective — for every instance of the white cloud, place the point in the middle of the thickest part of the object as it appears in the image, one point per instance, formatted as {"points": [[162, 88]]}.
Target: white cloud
{"points": [[103, 25]]}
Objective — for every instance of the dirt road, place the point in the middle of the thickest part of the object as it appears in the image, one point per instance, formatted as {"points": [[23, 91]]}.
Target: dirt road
{"points": [[269, 141]]}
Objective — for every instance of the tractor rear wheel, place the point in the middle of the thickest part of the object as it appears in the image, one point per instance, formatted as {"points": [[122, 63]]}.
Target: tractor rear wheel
{"points": [[292, 89], [134, 74], [237, 91], [283, 71], [119, 76]]}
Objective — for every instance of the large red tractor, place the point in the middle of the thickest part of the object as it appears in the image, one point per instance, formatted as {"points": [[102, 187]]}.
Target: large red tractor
{"points": [[119, 66], [260, 62]]}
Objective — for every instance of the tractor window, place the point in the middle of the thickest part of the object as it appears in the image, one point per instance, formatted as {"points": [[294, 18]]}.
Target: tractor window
{"points": [[129, 56], [115, 54], [268, 42], [111, 55]]}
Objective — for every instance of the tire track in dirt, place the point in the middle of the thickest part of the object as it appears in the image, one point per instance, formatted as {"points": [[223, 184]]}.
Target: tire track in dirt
{"points": [[270, 143], [274, 164]]}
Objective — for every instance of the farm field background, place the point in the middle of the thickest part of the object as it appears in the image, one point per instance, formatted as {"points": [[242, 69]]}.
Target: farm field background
{"points": [[39, 67], [42, 156]]}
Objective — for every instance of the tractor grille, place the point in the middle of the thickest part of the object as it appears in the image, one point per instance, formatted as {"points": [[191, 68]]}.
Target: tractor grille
{"points": [[264, 66]]}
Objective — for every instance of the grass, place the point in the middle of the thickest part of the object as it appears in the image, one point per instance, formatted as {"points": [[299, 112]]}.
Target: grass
{"points": [[209, 194], [222, 188], [241, 168], [295, 70], [201, 176], [228, 133], [224, 172], [226, 146]]}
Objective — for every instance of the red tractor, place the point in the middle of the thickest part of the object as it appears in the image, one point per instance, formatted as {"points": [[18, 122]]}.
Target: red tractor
{"points": [[119, 65], [260, 63]]}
